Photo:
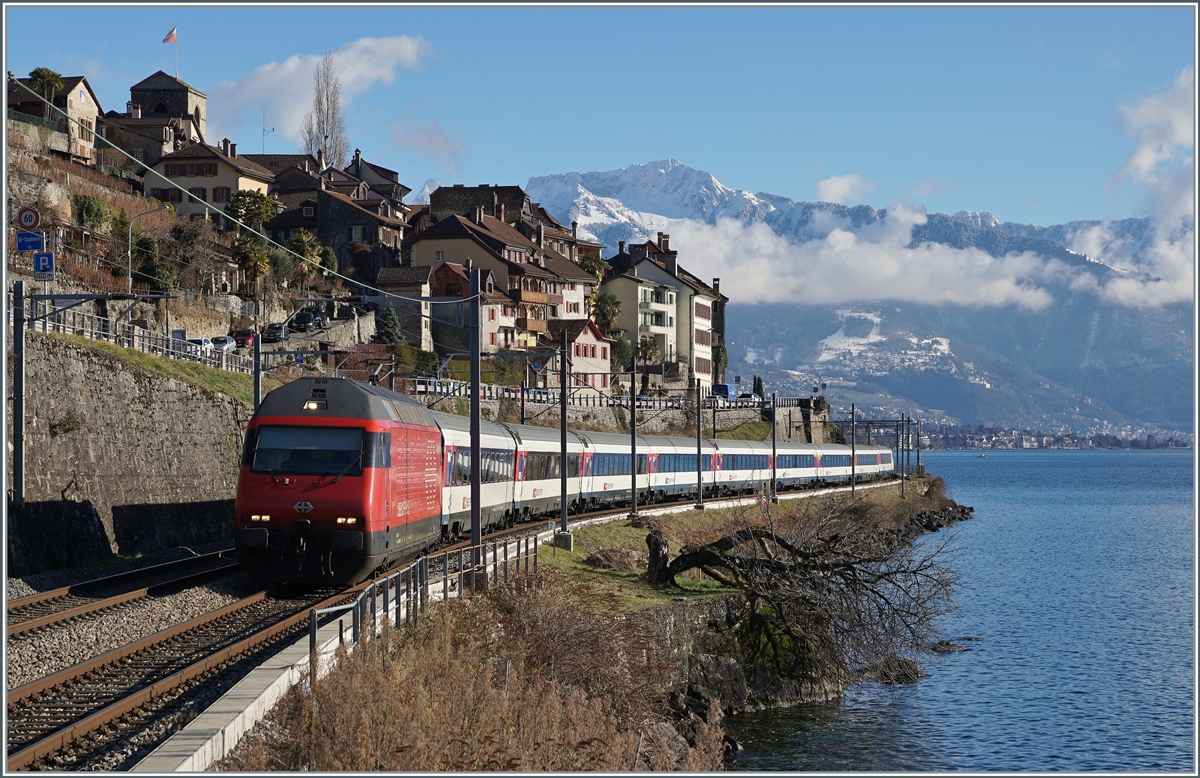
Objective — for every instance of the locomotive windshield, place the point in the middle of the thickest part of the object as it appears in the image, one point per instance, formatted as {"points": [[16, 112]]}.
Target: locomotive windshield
{"points": [[308, 451]]}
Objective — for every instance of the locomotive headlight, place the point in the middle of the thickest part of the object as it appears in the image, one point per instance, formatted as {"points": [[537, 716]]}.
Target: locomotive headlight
{"points": [[347, 520], [260, 517], [315, 405]]}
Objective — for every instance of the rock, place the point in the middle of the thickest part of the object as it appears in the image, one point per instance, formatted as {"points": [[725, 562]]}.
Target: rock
{"points": [[662, 735], [719, 677], [946, 647], [731, 743], [613, 559]]}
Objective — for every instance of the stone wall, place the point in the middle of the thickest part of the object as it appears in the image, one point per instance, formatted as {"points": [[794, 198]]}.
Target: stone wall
{"points": [[119, 461]]}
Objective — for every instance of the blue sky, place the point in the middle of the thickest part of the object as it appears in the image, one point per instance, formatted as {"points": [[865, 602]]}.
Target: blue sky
{"points": [[1014, 110]]}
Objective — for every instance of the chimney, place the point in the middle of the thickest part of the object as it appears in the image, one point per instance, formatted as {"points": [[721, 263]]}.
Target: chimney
{"points": [[717, 288], [320, 160], [306, 166], [357, 160], [665, 241], [233, 149], [541, 236], [225, 146], [575, 230], [479, 214], [502, 212], [134, 110], [322, 180], [620, 247], [495, 204], [672, 264]]}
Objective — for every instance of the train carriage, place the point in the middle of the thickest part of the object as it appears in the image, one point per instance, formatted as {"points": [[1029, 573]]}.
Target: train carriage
{"points": [[538, 475], [498, 461]]}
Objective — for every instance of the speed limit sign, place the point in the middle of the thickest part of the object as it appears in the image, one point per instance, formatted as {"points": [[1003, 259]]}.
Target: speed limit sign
{"points": [[29, 218]]}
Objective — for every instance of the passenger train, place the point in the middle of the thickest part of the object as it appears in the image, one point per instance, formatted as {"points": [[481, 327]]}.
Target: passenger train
{"points": [[339, 478]]}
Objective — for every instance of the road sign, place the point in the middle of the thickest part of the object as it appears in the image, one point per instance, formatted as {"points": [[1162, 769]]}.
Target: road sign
{"points": [[299, 357], [43, 266], [29, 218], [737, 379], [537, 365], [31, 241]]}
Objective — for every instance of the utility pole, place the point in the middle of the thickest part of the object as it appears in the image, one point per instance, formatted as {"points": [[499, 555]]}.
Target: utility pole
{"points": [[257, 369], [523, 382], [918, 446], [476, 453], [853, 450], [564, 375], [774, 493], [633, 463], [699, 454], [901, 444], [19, 394], [392, 374]]}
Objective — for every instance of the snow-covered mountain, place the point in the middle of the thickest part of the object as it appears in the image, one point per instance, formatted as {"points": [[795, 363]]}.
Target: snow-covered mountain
{"points": [[1071, 358], [635, 203], [422, 197]]}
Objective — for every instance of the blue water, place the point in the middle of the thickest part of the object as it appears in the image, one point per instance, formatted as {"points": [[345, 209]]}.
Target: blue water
{"points": [[1078, 570]]}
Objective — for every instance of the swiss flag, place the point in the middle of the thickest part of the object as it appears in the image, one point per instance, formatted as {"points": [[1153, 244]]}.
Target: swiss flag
{"points": [[171, 35]]}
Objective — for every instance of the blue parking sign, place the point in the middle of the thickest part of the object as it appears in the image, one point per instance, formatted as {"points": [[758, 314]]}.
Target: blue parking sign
{"points": [[43, 266]]}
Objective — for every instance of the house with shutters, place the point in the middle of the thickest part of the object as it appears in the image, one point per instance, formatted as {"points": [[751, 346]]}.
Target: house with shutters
{"points": [[661, 300], [589, 350], [497, 315], [199, 180], [76, 98]]}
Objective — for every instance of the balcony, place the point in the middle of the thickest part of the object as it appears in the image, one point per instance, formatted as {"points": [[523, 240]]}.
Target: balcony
{"points": [[532, 325], [526, 296], [655, 305]]}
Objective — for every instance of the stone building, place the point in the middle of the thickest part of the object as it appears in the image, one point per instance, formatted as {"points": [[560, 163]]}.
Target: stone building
{"points": [[414, 316], [76, 99]]}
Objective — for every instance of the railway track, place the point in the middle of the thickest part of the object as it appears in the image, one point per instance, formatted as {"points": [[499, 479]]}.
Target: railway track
{"points": [[52, 607], [82, 709]]}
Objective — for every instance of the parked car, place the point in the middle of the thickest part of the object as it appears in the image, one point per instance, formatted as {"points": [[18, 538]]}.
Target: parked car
{"points": [[275, 333], [319, 316], [200, 347], [223, 343], [724, 390], [243, 338], [749, 396], [303, 322]]}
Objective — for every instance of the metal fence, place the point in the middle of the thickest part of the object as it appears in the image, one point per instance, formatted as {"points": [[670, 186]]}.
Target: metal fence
{"points": [[87, 325], [37, 121], [402, 596], [586, 398]]}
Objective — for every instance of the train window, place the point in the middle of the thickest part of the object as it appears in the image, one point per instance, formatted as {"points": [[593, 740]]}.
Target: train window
{"points": [[309, 450], [378, 449]]}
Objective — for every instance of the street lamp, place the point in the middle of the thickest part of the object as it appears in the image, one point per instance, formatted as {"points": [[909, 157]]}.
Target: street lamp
{"points": [[129, 252]]}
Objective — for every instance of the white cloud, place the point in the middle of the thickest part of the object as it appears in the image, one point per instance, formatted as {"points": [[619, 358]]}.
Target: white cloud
{"points": [[843, 189], [1163, 162], [874, 263], [285, 88], [430, 141]]}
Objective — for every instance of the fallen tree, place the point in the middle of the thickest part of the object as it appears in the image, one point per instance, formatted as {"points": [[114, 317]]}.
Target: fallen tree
{"points": [[830, 589]]}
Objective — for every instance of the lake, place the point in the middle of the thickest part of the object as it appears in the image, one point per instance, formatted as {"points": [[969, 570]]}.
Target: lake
{"points": [[1078, 578]]}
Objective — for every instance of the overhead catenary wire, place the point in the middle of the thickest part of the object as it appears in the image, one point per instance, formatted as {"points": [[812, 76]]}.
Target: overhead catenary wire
{"points": [[241, 224]]}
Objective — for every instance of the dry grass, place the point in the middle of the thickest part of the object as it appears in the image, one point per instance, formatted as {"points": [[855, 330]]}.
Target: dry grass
{"points": [[527, 678]]}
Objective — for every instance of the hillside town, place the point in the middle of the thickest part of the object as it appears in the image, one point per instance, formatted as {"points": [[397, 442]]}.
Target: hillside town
{"points": [[240, 229]]}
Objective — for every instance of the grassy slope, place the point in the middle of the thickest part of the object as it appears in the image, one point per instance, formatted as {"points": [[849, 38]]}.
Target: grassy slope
{"points": [[239, 386]]}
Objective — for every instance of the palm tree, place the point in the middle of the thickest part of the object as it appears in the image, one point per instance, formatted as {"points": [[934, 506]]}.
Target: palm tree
{"points": [[249, 255], [47, 82], [606, 309], [306, 245], [648, 351], [594, 265]]}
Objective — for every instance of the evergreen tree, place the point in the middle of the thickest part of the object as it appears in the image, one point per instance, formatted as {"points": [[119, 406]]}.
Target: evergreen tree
{"points": [[387, 328]]}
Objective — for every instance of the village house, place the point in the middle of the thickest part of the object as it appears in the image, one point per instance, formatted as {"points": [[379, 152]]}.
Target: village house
{"points": [[414, 315], [518, 265], [589, 361], [209, 174], [163, 115], [76, 98], [498, 319], [661, 300]]}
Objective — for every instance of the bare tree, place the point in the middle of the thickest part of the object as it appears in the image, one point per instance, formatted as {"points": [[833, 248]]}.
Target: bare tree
{"points": [[828, 591], [324, 127]]}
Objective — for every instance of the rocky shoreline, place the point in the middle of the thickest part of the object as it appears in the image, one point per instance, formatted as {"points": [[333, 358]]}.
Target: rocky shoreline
{"points": [[718, 685]]}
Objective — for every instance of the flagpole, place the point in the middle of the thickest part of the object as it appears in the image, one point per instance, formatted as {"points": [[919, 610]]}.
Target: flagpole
{"points": [[177, 52]]}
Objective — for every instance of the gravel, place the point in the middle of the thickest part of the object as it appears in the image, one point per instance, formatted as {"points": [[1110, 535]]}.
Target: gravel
{"points": [[55, 579], [38, 653]]}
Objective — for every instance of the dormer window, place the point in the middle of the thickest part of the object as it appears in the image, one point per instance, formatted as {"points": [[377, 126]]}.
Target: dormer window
{"points": [[308, 211]]}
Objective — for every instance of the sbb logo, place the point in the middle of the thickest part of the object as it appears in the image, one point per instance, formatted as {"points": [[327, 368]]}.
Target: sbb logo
{"points": [[302, 507]]}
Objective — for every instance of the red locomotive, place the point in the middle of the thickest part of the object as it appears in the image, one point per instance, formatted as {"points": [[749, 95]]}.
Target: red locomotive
{"points": [[338, 479]]}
